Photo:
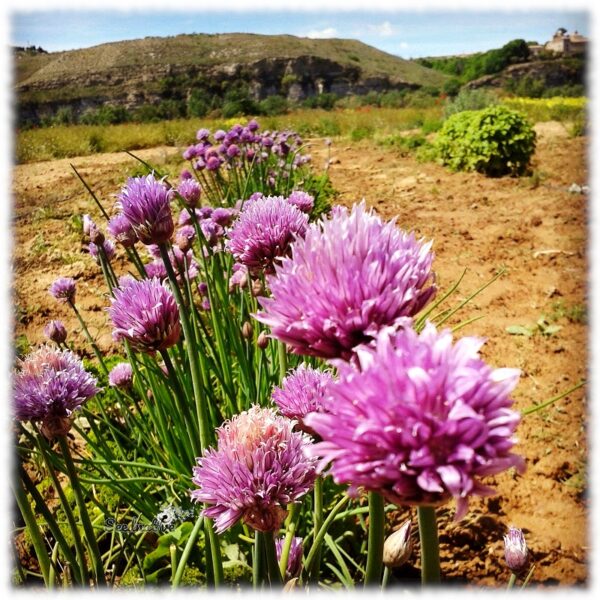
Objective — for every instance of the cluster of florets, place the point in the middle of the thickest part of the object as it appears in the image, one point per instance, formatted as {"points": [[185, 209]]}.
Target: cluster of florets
{"points": [[50, 385], [259, 467], [245, 145]]}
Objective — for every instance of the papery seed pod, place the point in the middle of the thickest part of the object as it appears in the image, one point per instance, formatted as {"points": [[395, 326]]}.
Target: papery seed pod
{"points": [[515, 550], [263, 340], [398, 546], [247, 330]]}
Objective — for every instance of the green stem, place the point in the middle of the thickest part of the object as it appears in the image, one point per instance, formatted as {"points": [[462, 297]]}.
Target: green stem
{"points": [[283, 363], [289, 536], [272, 565], [511, 581], [376, 539], [317, 524], [34, 532], [186, 552], [257, 563], [537, 407], [430, 549], [321, 534], [83, 513], [89, 338]]}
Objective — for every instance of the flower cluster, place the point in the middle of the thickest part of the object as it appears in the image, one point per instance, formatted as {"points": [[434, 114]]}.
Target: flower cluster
{"points": [[302, 391], [63, 289], [145, 203], [264, 231], [259, 467], [244, 146], [418, 419], [347, 278], [49, 386], [145, 314]]}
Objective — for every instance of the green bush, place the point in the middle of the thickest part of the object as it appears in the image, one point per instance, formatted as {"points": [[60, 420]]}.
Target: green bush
{"points": [[273, 105], [495, 141], [468, 99]]}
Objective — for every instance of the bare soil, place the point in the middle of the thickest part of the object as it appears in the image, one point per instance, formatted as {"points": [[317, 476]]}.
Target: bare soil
{"points": [[532, 227]]}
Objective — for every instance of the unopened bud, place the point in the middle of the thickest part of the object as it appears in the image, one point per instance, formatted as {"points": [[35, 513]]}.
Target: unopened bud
{"points": [[56, 331], [96, 236], [398, 546], [247, 330], [515, 550], [257, 287], [263, 340]]}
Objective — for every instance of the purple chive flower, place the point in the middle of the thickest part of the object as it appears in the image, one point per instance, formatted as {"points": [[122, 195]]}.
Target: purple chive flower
{"points": [[239, 278], [257, 469], [202, 134], [294, 564], [302, 201], [50, 385], [145, 203], [185, 174], [233, 150], [145, 314], [212, 231], [302, 391], [189, 190], [63, 289], [350, 276], [264, 231], [219, 135], [515, 550], [120, 228], [108, 247], [253, 125], [213, 163], [56, 331], [222, 216], [121, 376], [156, 269], [418, 419], [184, 237]]}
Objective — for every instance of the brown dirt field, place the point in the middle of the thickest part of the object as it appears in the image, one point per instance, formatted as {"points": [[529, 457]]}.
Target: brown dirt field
{"points": [[533, 227]]}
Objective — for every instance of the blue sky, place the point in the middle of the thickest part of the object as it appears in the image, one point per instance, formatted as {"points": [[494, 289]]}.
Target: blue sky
{"points": [[407, 34]]}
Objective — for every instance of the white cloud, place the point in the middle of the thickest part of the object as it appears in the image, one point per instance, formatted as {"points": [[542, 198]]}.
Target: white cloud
{"points": [[404, 45], [328, 32], [385, 29]]}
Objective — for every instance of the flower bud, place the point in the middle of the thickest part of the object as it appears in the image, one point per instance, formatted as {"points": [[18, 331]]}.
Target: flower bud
{"points": [[247, 330], [263, 340], [56, 331], [257, 287], [515, 550], [398, 546]]}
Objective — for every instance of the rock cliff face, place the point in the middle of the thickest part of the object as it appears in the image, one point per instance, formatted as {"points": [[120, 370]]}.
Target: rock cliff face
{"points": [[131, 74], [552, 73]]}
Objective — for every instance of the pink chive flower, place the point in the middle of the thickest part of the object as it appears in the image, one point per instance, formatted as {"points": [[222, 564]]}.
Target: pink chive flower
{"points": [[257, 469], [302, 391], [107, 246], [515, 550], [121, 230], [222, 216], [145, 203], [294, 565], [56, 331], [190, 190], [146, 315], [63, 289], [49, 387], [183, 263], [418, 419], [121, 376], [302, 201], [264, 231], [347, 278]]}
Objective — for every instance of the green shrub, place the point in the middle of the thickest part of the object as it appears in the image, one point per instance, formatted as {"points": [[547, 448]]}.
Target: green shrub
{"points": [[273, 105], [362, 132], [468, 99], [495, 141]]}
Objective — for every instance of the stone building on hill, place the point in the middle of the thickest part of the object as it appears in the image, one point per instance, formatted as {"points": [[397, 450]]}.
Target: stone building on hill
{"points": [[566, 43]]}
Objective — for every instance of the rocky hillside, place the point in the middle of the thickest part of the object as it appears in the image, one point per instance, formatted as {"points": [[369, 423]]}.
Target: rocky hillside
{"points": [[138, 72]]}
